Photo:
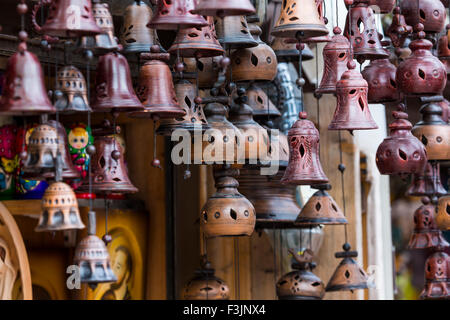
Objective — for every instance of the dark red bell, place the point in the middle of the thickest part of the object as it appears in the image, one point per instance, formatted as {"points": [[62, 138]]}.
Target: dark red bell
{"points": [[444, 49], [437, 277], [427, 183], [384, 6], [352, 110], [380, 76], [176, 14], [222, 8], [398, 31], [304, 166], [113, 86], [430, 13], [401, 153]]}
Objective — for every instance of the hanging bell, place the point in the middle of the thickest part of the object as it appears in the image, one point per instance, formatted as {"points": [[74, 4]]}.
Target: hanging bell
{"points": [[227, 212], [205, 285], [42, 149], [176, 14], [24, 90], [321, 209], [437, 277], [427, 183], [233, 33], [59, 209], [398, 31], [71, 91], [135, 36], [300, 19], [336, 55], [430, 13], [422, 73], [207, 70], [67, 19], [362, 32], [260, 103], [348, 275], [384, 6], [304, 166], [443, 213], [286, 50], [426, 233], [113, 86], [223, 8], [401, 153], [197, 42], [445, 106], [444, 50], [352, 110], [433, 132]]}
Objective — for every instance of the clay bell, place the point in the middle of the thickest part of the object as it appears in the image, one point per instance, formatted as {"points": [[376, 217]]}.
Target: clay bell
{"points": [[260, 103], [197, 42], [227, 212], [135, 36], [385, 6], [222, 8], [433, 132], [427, 183], [113, 86], [444, 49], [443, 213], [352, 110], [336, 55], [430, 13], [176, 14], [71, 91], [399, 30], [233, 33], [380, 76], [437, 277], [67, 19], [24, 90], [401, 153], [300, 19], [426, 233], [321, 209], [286, 51], [42, 149], [206, 68], [422, 73], [59, 209], [304, 166]]}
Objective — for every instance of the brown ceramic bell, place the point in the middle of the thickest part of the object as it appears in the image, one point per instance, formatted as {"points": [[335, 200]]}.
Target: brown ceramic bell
{"points": [[398, 31], [348, 275], [206, 68], [430, 13], [321, 209], [363, 34], [197, 42], [433, 132], [444, 49], [352, 110], [71, 91], [380, 76], [67, 19], [385, 6], [24, 90], [260, 103], [401, 153], [227, 212], [222, 8], [113, 86], [336, 55], [287, 51], [445, 106], [233, 33], [304, 163], [422, 73], [300, 19], [443, 213], [437, 277], [426, 233], [176, 14], [427, 183], [42, 149], [135, 36], [59, 209]]}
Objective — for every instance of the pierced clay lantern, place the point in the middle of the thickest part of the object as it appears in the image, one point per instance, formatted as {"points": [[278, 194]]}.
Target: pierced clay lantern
{"points": [[427, 183], [385, 6], [304, 163], [443, 213], [73, 91], [398, 31], [42, 149], [437, 277], [426, 233], [176, 14], [233, 33], [206, 68], [222, 8], [260, 103], [430, 13], [287, 51], [380, 76], [227, 212]]}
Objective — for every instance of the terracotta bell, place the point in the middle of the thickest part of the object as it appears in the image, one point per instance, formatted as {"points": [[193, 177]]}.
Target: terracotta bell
{"points": [[222, 8], [286, 51], [385, 6], [206, 68], [233, 33], [348, 275], [300, 19], [430, 13], [401, 153], [227, 212], [71, 91], [42, 149], [427, 183], [304, 166], [443, 213], [301, 284], [205, 285], [437, 277], [352, 110], [426, 233], [260, 103], [433, 132], [156, 89], [176, 14], [254, 64], [422, 73], [321, 209], [444, 49], [113, 86], [399, 30], [67, 19], [59, 209], [23, 86], [197, 42], [362, 32], [336, 55], [135, 36]]}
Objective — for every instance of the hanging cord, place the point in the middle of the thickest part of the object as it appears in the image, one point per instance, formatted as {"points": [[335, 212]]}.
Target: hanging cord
{"points": [[91, 147], [341, 168], [300, 81], [318, 96], [337, 14]]}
